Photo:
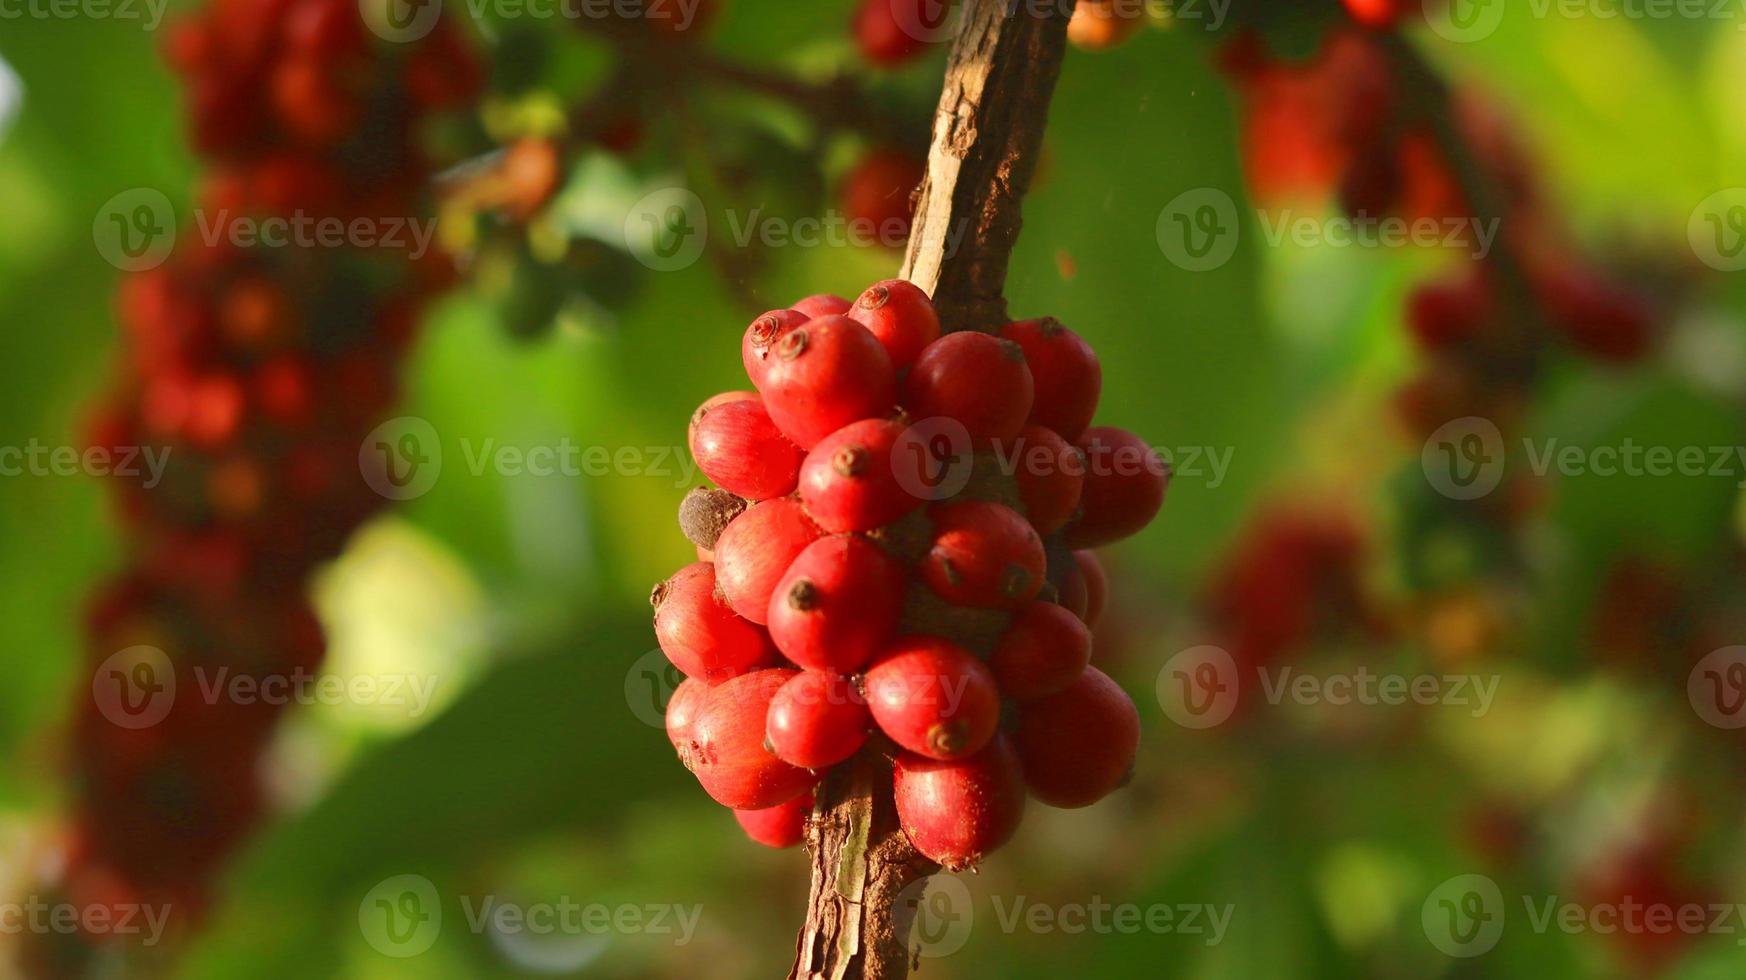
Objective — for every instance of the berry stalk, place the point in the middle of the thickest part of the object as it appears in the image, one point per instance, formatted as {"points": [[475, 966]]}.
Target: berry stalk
{"points": [[987, 133]]}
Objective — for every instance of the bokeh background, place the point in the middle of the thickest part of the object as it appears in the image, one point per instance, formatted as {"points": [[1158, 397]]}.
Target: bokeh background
{"points": [[539, 772]]}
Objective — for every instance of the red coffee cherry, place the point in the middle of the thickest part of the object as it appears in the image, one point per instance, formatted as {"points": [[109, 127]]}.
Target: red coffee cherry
{"points": [[1066, 372], [754, 551], [876, 193], [825, 374], [682, 709], [887, 38], [977, 379], [1606, 320], [1050, 473], [214, 411], [285, 390], [761, 338], [817, 720], [310, 101], [933, 697], [700, 635], [726, 750], [740, 449], [823, 304], [1378, 14], [1042, 653], [1124, 487], [849, 481], [1078, 746], [1442, 314], [983, 555], [898, 313], [837, 604], [780, 826], [957, 812], [1096, 585]]}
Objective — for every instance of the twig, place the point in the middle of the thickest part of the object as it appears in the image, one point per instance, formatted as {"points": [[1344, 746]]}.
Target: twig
{"points": [[986, 135]]}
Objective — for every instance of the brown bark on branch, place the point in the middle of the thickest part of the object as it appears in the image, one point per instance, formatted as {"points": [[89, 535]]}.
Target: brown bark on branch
{"points": [[987, 131]]}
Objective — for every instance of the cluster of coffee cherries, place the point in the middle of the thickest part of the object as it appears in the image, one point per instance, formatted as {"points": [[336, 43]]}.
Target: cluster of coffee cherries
{"points": [[254, 373], [1295, 576], [894, 563]]}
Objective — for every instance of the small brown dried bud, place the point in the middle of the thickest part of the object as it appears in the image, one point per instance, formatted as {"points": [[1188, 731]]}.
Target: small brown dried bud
{"points": [[705, 512]]}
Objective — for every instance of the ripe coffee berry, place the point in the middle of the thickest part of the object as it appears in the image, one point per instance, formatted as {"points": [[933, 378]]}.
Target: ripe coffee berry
{"points": [[838, 603], [889, 32], [756, 549], [1443, 314], [1078, 746], [901, 316], [823, 375], [983, 555], [726, 748], [1050, 473], [1095, 584], [1042, 653], [849, 481], [817, 720], [740, 449], [824, 304], [1124, 487], [761, 338], [956, 812], [876, 194], [1066, 373], [977, 379], [700, 635], [780, 826], [933, 697], [682, 710]]}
